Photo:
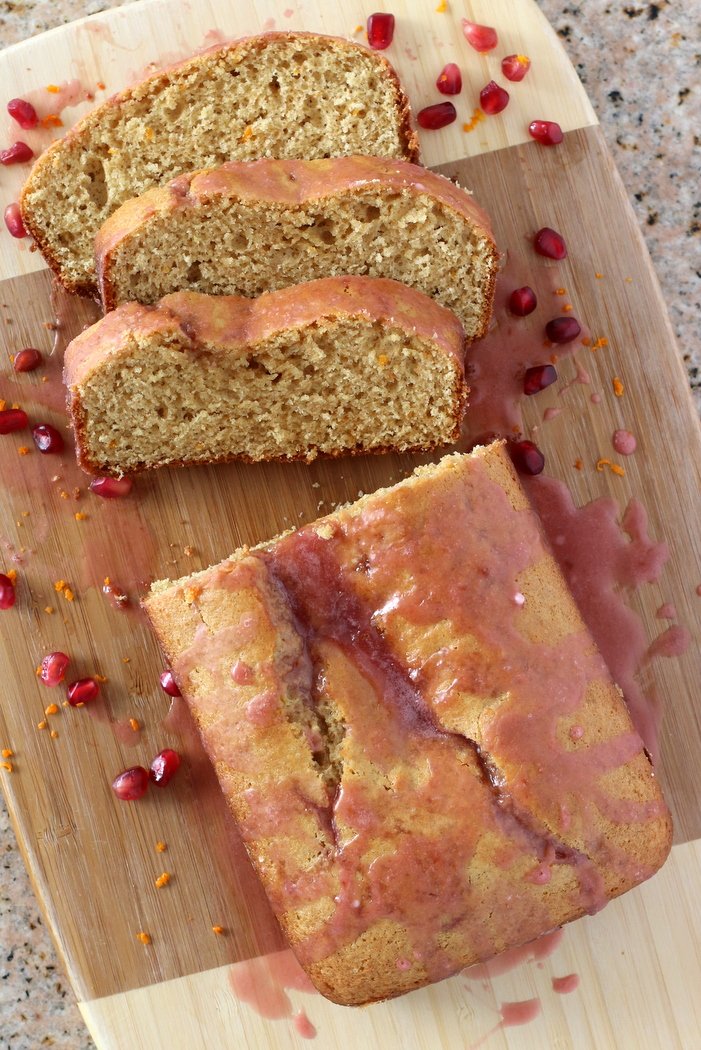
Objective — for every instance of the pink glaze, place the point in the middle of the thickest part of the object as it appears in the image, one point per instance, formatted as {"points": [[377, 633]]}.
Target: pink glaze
{"points": [[624, 442], [551, 413], [698, 590], [666, 612], [242, 673], [598, 559], [673, 642], [495, 365], [523, 1012], [126, 734], [566, 985], [535, 951], [348, 613], [595, 399], [303, 1026], [263, 984]]}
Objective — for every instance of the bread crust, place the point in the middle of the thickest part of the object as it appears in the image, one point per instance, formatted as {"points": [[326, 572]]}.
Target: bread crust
{"points": [[594, 806], [77, 137]]}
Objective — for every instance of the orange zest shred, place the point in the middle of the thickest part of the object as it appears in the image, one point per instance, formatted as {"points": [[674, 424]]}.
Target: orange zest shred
{"points": [[12, 575], [52, 709], [442, 7], [7, 766], [7, 752], [567, 307], [126, 659], [68, 594], [219, 930], [51, 120], [477, 116], [247, 133], [102, 678], [80, 515], [59, 585], [53, 89], [49, 609], [618, 388], [135, 724], [161, 847], [560, 291], [162, 880], [599, 276], [144, 937], [53, 734], [382, 360], [43, 724], [613, 467], [24, 450]]}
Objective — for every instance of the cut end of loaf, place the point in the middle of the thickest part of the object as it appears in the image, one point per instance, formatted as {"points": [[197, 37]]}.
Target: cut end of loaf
{"points": [[275, 95]]}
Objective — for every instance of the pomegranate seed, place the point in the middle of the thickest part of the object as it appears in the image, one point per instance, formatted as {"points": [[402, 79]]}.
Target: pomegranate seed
{"points": [[380, 31], [437, 116], [131, 784], [169, 685], [526, 457], [82, 691], [522, 301], [549, 243], [13, 221], [164, 766], [563, 329], [482, 38], [53, 668], [17, 153], [515, 67], [537, 378], [12, 419], [7, 592], [450, 80], [23, 112], [47, 438], [547, 132], [493, 99], [27, 360], [111, 488]]}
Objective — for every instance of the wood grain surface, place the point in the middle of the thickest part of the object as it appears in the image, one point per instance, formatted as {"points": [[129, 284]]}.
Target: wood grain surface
{"points": [[93, 860]]}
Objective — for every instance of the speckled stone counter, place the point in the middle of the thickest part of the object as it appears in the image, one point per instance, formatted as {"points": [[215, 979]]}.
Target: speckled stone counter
{"points": [[638, 63]]}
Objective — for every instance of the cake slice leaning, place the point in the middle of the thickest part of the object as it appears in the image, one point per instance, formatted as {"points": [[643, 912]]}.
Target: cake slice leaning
{"points": [[334, 366], [245, 229], [273, 95], [423, 749]]}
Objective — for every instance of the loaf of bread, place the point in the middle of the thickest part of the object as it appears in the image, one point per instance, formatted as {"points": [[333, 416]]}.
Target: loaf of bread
{"points": [[246, 229], [339, 365], [423, 749], [275, 95]]}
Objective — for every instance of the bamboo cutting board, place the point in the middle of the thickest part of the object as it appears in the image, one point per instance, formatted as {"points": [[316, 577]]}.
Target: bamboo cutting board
{"points": [[93, 860]]}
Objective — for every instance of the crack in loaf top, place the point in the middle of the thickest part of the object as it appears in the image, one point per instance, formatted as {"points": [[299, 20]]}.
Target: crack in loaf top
{"points": [[488, 784]]}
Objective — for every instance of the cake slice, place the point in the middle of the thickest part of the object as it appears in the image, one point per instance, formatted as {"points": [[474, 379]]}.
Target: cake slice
{"points": [[423, 749], [250, 228], [338, 365], [275, 95]]}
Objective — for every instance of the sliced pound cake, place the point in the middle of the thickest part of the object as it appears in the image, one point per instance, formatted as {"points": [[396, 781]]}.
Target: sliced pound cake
{"points": [[339, 365], [246, 229], [423, 749], [275, 95]]}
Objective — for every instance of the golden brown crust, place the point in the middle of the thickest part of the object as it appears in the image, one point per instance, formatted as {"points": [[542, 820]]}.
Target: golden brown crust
{"points": [[569, 815]]}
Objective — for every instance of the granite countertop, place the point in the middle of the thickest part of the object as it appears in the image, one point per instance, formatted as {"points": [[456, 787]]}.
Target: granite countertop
{"points": [[639, 65]]}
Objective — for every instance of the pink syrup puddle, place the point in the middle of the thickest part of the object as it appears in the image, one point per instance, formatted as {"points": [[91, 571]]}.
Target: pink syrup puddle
{"points": [[512, 1015], [666, 612], [566, 985], [269, 25], [495, 365], [624, 442], [263, 984], [673, 642], [595, 399], [551, 413], [602, 559]]}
